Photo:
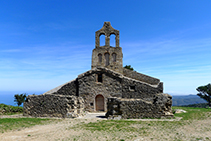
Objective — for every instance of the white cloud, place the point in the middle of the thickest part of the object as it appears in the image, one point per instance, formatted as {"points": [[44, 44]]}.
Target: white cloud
{"points": [[181, 64]]}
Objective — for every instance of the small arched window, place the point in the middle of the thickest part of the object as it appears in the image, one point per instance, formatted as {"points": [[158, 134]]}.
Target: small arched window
{"points": [[107, 59], [114, 57], [100, 57]]}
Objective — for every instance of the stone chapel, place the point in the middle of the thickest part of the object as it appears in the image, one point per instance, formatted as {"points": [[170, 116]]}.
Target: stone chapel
{"points": [[107, 87]]}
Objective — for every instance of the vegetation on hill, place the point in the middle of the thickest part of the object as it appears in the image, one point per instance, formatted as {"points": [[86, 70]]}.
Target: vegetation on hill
{"points": [[200, 105], [7, 109], [205, 93], [186, 100]]}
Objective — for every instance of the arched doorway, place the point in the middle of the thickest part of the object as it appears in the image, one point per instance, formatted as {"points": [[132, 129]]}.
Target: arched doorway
{"points": [[99, 103]]}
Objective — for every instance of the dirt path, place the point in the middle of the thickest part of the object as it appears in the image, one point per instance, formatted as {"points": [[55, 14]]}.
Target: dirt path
{"points": [[52, 131], [55, 131]]}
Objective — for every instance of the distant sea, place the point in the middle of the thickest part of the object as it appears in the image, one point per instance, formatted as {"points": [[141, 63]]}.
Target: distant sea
{"points": [[7, 97]]}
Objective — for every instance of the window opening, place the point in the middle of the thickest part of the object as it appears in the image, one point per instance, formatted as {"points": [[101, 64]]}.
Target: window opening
{"points": [[100, 78], [132, 88], [107, 59], [112, 40], [102, 40], [114, 57], [100, 58]]}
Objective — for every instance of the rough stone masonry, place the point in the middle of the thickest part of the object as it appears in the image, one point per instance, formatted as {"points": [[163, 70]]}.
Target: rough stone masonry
{"points": [[107, 87]]}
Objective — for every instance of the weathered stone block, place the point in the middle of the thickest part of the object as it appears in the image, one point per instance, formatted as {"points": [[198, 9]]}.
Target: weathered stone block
{"points": [[139, 108], [53, 105]]}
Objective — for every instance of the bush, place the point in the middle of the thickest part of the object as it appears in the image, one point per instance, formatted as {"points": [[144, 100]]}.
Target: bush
{"points": [[129, 67], [7, 109]]}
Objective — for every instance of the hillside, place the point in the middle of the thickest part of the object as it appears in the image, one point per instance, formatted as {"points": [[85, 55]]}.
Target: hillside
{"points": [[186, 100]]}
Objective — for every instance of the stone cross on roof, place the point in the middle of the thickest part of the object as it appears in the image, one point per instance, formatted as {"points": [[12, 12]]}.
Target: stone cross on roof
{"points": [[106, 30]]}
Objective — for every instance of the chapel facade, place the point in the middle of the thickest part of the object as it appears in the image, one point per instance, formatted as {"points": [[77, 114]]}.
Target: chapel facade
{"points": [[107, 87]]}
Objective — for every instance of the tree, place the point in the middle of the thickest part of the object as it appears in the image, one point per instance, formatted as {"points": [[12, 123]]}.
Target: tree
{"points": [[128, 67], [205, 93], [19, 99]]}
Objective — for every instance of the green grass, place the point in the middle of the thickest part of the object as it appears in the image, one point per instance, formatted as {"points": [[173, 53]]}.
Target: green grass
{"points": [[19, 123], [161, 130], [126, 129], [193, 113], [141, 127], [114, 128], [7, 124]]}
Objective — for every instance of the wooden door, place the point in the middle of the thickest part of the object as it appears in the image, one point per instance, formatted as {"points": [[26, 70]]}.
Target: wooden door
{"points": [[99, 102]]}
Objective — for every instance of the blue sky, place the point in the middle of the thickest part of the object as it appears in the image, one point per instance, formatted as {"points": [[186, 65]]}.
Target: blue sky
{"points": [[45, 43]]}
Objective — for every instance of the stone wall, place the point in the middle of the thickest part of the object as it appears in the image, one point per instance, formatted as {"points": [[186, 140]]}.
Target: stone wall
{"points": [[136, 89], [113, 64], [106, 30], [140, 77], [51, 105], [116, 66], [69, 88], [89, 88], [113, 84], [139, 108]]}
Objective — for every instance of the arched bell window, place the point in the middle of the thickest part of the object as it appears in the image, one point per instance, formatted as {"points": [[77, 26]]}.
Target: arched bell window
{"points": [[100, 57], [102, 40], [113, 40], [107, 59], [114, 57]]}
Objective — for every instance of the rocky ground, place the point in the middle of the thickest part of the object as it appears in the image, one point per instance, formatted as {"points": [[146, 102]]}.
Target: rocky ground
{"points": [[146, 129]]}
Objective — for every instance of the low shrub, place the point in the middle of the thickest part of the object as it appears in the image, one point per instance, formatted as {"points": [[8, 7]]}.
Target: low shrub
{"points": [[7, 109]]}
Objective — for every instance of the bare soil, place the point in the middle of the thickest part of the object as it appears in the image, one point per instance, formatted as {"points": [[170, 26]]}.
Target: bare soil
{"points": [[61, 130]]}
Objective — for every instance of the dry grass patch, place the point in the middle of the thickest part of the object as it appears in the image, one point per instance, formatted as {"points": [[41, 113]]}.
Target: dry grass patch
{"points": [[195, 125], [20, 123]]}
